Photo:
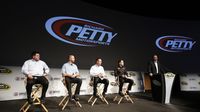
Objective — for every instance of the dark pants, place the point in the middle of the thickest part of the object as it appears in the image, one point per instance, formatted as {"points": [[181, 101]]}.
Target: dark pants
{"points": [[98, 80], [158, 88], [69, 81], [37, 80], [125, 80]]}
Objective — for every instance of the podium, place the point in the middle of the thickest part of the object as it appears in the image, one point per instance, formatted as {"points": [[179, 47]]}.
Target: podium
{"points": [[169, 80], [162, 87]]}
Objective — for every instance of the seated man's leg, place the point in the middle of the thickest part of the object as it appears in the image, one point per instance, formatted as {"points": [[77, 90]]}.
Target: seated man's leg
{"points": [[45, 84], [29, 85], [121, 82], [78, 81], [68, 85], [106, 83], [129, 85], [95, 82]]}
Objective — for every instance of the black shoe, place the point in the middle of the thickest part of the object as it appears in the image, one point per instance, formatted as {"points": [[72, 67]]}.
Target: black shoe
{"points": [[30, 101], [104, 94], [42, 100], [71, 98], [121, 94], [127, 92], [75, 97], [95, 96]]}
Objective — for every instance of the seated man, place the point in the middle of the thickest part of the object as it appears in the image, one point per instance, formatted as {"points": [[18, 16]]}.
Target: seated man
{"points": [[122, 74], [97, 72], [71, 74], [35, 71]]}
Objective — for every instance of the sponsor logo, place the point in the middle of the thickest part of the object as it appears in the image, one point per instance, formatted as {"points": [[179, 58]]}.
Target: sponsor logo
{"points": [[112, 73], [193, 87], [20, 93], [19, 78], [54, 78], [184, 83], [169, 75], [54, 92], [192, 79], [114, 84], [5, 70], [4, 86], [83, 78], [175, 43], [80, 32], [83, 91], [132, 74]]}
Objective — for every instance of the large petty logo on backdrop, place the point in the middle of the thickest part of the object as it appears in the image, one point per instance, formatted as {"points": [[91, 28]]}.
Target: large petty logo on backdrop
{"points": [[79, 31], [175, 43]]}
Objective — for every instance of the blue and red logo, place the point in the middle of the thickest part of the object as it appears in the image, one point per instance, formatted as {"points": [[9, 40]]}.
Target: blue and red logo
{"points": [[175, 43], [79, 31]]}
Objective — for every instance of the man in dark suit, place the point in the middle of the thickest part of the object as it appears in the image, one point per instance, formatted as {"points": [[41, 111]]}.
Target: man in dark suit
{"points": [[156, 71]]}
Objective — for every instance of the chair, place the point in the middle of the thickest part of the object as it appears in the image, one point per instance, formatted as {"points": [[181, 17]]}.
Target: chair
{"points": [[36, 101], [63, 103], [93, 99], [125, 95]]}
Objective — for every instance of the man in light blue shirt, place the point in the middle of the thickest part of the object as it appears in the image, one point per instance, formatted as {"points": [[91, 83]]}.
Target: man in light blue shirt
{"points": [[71, 74]]}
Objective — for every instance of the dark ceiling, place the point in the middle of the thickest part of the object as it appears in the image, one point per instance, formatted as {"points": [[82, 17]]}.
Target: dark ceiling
{"points": [[170, 9], [163, 9]]}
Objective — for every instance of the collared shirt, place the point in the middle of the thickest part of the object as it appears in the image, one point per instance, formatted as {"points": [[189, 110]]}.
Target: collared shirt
{"points": [[95, 70], [156, 64], [69, 68], [35, 68]]}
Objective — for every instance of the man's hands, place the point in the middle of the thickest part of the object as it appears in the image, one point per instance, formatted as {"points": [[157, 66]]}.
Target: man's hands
{"points": [[75, 75], [151, 74], [30, 76], [101, 75]]}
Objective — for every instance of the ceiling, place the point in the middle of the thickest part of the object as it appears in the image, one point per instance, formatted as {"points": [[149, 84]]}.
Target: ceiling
{"points": [[163, 9]]}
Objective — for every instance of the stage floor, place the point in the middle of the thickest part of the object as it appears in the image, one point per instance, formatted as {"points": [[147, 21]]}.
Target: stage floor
{"points": [[143, 103]]}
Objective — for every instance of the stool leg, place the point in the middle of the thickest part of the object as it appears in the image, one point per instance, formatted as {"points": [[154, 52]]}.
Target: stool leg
{"points": [[78, 103], [27, 108], [22, 108], [61, 102], [44, 108], [115, 98], [94, 101], [90, 99], [130, 99], [105, 100], [120, 100], [65, 104]]}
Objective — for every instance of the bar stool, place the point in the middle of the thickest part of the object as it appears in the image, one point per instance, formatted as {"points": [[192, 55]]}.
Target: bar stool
{"points": [[93, 99], [125, 95], [63, 103], [36, 101]]}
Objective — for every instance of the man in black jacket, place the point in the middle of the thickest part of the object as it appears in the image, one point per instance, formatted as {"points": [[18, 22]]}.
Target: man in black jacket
{"points": [[156, 71]]}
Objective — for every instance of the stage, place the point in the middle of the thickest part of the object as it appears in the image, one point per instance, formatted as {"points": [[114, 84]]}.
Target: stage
{"points": [[143, 103]]}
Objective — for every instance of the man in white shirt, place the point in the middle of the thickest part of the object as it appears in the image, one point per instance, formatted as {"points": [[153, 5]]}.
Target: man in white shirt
{"points": [[35, 70], [71, 74], [98, 75]]}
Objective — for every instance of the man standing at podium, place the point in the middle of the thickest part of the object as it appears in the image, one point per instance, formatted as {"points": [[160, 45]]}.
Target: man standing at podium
{"points": [[156, 72]]}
